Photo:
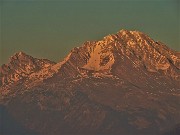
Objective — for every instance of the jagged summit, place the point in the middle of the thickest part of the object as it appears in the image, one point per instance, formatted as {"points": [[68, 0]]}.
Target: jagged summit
{"points": [[136, 47], [19, 56], [125, 33], [21, 53], [20, 66], [22, 56]]}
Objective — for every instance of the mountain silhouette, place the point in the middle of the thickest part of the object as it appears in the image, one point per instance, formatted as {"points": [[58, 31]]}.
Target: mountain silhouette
{"points": [[124, 84]]}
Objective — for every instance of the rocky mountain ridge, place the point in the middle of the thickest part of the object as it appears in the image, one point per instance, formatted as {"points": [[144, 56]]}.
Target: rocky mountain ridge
{"points": [[21, 66], [101, 56], [126, 83]]}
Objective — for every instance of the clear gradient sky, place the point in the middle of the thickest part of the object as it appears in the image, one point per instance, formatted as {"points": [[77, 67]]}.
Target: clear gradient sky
{"points": [[51, 28]]}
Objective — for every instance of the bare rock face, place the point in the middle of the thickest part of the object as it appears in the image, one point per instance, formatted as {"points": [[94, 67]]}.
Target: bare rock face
{"points": [[21, 66], [126, 83], [132, 46]]}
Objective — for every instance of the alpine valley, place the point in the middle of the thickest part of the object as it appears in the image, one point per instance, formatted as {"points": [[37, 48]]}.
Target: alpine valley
{"points": [[124, 84]]}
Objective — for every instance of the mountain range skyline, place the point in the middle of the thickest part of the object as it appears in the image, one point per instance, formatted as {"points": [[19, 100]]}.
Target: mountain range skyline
{"points": [[89, 67], [21, 52], [124, 84], [59, 59], [50, 28]]}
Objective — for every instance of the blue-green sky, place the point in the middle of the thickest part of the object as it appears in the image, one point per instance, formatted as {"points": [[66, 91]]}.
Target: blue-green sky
{"points": [[51, 28]]}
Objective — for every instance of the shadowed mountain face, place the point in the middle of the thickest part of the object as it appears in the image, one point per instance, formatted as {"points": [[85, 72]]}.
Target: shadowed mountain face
{"points": [[124, 84], [9, 126], [174, 131]]}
